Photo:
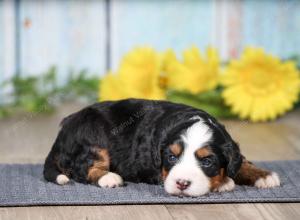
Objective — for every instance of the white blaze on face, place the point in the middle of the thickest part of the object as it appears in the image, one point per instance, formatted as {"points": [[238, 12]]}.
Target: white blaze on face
{"points": [[187, 167]]}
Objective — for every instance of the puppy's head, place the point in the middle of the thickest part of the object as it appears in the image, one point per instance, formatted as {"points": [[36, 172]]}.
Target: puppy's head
{"points": [[198, 160]]}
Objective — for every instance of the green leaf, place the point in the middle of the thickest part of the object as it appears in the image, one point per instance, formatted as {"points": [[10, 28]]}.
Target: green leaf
{"points": [[40, 94], [210, 102]]}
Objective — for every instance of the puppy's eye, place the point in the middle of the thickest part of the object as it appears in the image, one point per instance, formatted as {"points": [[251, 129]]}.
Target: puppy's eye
{"points": [[206, 162], [172, 158]]}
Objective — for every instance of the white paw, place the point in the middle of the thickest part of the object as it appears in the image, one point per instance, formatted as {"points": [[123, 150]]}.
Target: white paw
{"points": [[62, 179], [228, 185], [269, 181], [110, 180]]}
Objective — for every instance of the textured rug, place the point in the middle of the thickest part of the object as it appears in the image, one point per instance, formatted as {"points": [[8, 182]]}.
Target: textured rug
{"points": [[23, 185]]}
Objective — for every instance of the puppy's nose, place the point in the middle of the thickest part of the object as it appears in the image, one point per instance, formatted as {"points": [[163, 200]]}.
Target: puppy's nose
{"points": [[183, 184]]}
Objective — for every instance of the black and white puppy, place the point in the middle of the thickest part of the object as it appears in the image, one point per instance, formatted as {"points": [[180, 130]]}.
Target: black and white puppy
{"points": [[153, 142]]}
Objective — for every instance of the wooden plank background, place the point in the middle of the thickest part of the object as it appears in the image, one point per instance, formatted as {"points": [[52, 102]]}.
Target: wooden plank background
{"points": [[7, 45], [67, 34], [94, 35], [161, 24], [7, 39]]}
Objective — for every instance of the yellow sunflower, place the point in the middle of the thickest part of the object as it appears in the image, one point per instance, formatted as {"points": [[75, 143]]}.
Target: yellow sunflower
{"points": [[137, 77], [259, 86], [196, 73], [168, 59], [111, 88]]}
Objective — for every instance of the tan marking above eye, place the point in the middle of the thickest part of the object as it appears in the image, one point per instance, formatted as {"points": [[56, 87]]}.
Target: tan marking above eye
{"points": [[176, 149], [204, 152]]}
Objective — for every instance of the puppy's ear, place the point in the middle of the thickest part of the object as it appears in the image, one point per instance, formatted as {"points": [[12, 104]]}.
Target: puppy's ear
{"points": [[233, 158]]}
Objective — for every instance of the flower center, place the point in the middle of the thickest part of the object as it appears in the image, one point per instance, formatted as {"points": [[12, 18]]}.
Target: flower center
{"points": [[261, 81]]}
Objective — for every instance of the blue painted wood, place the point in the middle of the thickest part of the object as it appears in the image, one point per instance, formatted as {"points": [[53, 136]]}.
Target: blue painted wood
{"points": [[67, 34], [71, 34], [161, 24], [1, 40], [7, 40], [273, 25], [17, 46]]}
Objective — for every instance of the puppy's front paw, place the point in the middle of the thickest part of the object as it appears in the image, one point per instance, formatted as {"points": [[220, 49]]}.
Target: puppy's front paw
{"points": [[227, 185], [110, 180], [62, 179], [270, 181]]}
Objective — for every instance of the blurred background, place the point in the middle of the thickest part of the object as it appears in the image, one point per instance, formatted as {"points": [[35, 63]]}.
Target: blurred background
{"points": [[55, 56]]}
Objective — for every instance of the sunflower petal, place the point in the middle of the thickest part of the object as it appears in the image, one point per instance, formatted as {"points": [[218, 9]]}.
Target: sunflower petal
{"points": [[259, 86]]}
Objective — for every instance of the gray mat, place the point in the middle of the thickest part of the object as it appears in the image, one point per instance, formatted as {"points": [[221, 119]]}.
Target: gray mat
{"points": [[23, 185]]}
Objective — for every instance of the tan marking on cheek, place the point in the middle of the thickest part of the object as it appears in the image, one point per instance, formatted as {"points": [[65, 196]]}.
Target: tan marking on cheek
{"points": [[203, 152], [176, 149], [216, 181], [164, 174], [100, 166]]}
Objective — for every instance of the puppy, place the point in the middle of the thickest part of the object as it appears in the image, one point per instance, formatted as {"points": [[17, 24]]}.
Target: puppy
{"points": [[153, 142]]}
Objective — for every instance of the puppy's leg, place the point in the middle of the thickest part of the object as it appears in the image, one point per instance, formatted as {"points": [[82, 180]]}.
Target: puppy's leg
{"points": [[221, 183], [99, 173], [251, 175], [52, 170]]}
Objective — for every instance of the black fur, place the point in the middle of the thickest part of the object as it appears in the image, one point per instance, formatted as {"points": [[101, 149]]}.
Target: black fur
{"points": [[136, 134]]}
